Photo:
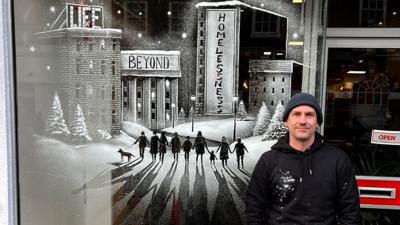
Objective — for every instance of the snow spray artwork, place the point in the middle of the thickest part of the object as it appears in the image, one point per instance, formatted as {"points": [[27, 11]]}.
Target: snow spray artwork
{"points": [[122, 67]]}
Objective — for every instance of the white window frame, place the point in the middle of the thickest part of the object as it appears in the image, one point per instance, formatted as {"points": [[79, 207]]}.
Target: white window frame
{"points": [[258, 34]]}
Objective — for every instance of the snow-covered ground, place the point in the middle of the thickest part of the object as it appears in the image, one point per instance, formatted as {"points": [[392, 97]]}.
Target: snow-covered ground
{"points": [[100, 189]]}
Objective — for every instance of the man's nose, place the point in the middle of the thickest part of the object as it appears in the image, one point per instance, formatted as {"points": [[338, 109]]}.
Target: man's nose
{"points": [[302, 119]]}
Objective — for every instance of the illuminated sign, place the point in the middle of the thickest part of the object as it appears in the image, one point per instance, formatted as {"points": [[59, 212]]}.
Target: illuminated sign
{"points": [[150, 60], [385, 137], [379, 192], [221, 61], [85, 16]]}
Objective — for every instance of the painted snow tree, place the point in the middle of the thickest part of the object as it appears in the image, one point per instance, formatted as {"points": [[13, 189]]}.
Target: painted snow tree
{"points": [[263, 120], [276, 128], [55, 124], [192, 113], [242, 111], [78, 126], [182, 116]]}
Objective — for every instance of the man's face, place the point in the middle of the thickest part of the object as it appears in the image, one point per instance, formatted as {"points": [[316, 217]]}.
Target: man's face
{"points": [[302, 123]]}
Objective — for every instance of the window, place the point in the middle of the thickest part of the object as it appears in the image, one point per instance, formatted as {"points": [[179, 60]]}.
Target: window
{"points": [[139, 94], [103, 67], [114, 116], [273, 90], [283, 79], [78, 66], [153, 105], [265, 90], [272, 103], [167, 106], [177, 17], [153, 116], [273, 79], [113, 93], [283, 90], [136, 15], [114, 44], [103, 45], [372, 13], [77, 91], [167, 94], [264, 24], [91, 46], [113, 68]]}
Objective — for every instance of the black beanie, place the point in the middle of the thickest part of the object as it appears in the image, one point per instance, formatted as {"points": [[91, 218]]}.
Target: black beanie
{"points": [[303, 99]]}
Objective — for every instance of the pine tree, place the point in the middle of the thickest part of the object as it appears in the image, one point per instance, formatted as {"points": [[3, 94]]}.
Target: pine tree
{"points": [[55, 124], [263, 120], [276, 127], [242, 111], [78, 126], [182, 116]]}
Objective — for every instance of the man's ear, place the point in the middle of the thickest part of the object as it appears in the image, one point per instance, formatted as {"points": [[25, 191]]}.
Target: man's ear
{"points": [[286, 124]]}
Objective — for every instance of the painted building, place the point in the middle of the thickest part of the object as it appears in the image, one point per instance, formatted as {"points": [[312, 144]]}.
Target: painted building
{"points": [[150, 87], [88, 67], [270, 81]]}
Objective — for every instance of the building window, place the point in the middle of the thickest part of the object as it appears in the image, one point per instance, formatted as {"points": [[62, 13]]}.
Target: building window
{"points": [[176, 20], [273, 90], [78, 66], [273, 79], [282, 102], [139, 94], [167, 94], [167, 106], [136, 15], [103, 116], [153, 83], [153, 105], [114, 116], [113, 93], [264, 24], [283, 90], [77, 91], [372, 13], [91, 66], [91, 46], [153, 116], [283, 79], [103, 92], [103, 45], [265, 90], [265, 78], [114, 44], [113, 67], [103, 67], [78, 46], [272, 103]]}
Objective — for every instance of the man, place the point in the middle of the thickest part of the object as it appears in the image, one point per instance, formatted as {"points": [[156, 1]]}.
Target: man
{"points": [[143, 141], [302, 180]]}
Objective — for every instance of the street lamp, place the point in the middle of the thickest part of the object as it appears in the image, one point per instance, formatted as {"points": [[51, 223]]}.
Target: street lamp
{"points": [[193, 99], [173, 115], [235, 100]]}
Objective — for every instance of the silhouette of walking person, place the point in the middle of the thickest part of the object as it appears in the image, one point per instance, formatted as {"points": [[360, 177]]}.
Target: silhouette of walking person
{"points": [[142, 143], [213, 157], [187, 145], [225, 149], [154, 141], [175, 146], [239, 148], [163, 146], [199, 144]]}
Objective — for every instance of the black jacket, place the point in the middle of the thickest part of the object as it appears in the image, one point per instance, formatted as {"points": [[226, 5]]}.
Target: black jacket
{"points": [[312, 187]]}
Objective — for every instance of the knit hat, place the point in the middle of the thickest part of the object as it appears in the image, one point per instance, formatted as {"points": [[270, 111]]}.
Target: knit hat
{"points": [[303, 99]]}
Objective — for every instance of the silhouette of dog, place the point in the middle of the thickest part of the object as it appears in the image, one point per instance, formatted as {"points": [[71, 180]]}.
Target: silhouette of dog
{"points": [[127, 154]]}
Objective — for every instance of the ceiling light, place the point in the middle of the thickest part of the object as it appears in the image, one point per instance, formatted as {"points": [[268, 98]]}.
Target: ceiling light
{"points": [[356, 72]]}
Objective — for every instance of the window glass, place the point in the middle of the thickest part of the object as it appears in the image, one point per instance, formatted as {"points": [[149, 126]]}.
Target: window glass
{"points": [[91, 75], [364, 13]]}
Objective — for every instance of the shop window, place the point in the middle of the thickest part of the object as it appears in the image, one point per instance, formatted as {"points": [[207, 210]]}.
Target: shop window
{"points": [[136, 15], [264, 24], [177, 17]]}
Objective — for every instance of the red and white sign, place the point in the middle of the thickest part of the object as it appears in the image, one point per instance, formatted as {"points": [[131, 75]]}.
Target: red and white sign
{"points": [[385, 137], [379, 192]]}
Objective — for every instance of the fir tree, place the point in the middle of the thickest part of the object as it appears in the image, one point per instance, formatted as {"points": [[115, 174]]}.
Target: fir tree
{"points": [[182, 116], [276, 127], [55, 124], [192, 113], [263, 120], [78, 126], [242, 111]]}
